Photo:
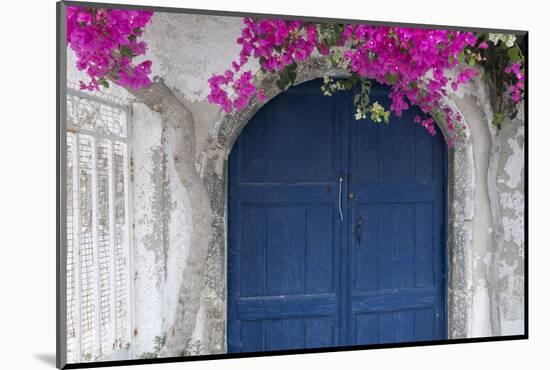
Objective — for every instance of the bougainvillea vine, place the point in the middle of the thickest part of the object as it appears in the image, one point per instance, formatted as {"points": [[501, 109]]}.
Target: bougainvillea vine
{"points": [[422, 66], [105, 42]]}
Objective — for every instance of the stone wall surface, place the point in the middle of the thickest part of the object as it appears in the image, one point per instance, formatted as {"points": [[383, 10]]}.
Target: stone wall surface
{"points": [[486, 197]]}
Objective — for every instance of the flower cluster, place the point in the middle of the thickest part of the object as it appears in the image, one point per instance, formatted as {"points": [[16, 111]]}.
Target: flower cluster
{"points": [[105, 41], [422, 66], [242, 86], [414, 62], [276, 43], [516, 89]]}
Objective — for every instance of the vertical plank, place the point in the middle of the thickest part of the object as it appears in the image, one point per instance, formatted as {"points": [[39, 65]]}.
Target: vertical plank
{"points": [[389, 157], [406, 325], [97, 350], [366, 328], [388, 327], [320, 249], [277, 254], [253, 150], [112, 242], [77, 246], [406, 246], [276, 335], [424, 324], [252, 336], [296, 331], [298, 127], [367, 249], [424, 246], [253, 238], [389, 248], [342, 105], [397, 150], [365, 151], [406, 165], [319, 332], [296, 250], [423, 155]]}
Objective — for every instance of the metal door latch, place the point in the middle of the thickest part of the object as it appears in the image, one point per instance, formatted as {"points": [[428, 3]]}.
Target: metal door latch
{"points": [[358, 224], [340, 200]]}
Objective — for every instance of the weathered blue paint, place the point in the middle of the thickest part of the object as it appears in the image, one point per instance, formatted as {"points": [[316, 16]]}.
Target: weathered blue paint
{"points": [[299, 277]]}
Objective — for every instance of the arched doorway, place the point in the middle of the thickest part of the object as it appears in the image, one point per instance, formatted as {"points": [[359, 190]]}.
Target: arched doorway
{"points": [[336, 227]]}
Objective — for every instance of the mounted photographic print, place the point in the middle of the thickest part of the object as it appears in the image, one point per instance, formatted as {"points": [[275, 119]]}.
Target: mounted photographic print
{"points": [[250, 184]]}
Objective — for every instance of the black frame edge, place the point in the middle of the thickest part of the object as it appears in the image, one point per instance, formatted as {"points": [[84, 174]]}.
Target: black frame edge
{"points": [[61, 189], [164, 360], [526, 191]]}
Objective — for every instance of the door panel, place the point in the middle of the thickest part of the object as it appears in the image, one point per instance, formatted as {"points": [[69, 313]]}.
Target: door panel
{"points": [[396, 237], [395, 326], [284, 233], [299, 276]]}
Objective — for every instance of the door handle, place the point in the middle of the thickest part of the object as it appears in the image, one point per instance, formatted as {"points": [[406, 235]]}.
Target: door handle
{"points": [[340, 199], [358, 224]]}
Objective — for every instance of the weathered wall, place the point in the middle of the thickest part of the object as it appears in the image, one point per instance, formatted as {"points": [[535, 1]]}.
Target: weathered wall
{"points": [[486, 198], [498, 240], [507, 170], [147, 178], [161, 225]]}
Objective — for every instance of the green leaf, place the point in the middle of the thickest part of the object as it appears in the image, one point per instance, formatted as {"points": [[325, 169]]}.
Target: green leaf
{"points": [[365, 98], [262, 61], [330, 33], [497, 119], [292, 67], [126, 51], [291, 77], [514, 54], [103, 82], [461, 57], [282, 82], [391, 78]]}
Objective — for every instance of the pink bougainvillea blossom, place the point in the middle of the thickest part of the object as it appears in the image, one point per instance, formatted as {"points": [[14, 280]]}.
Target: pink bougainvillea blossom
{"points": [[413, 62], [516, 89], [421, 66], [105, 41]]}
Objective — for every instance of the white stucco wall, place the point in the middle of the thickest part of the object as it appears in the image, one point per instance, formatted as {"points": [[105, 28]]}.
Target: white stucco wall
{"points": [[147, 171], [161, 228]]}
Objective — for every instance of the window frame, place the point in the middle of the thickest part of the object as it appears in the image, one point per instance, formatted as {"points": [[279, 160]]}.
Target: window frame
{"points": [[121, 341]]}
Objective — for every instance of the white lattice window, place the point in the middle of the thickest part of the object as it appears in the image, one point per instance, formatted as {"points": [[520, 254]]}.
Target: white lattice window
{"points": [[98, 232]]}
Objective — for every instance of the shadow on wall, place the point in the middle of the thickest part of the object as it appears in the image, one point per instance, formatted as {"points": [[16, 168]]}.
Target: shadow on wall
{"points": [[47, 358]]}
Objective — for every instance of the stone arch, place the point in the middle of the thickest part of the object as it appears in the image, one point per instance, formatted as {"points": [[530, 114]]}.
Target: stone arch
{"points": [[460, 206]]}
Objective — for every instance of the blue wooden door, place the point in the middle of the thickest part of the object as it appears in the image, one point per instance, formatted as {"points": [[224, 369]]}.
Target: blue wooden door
{"points": [[336, 228]]}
